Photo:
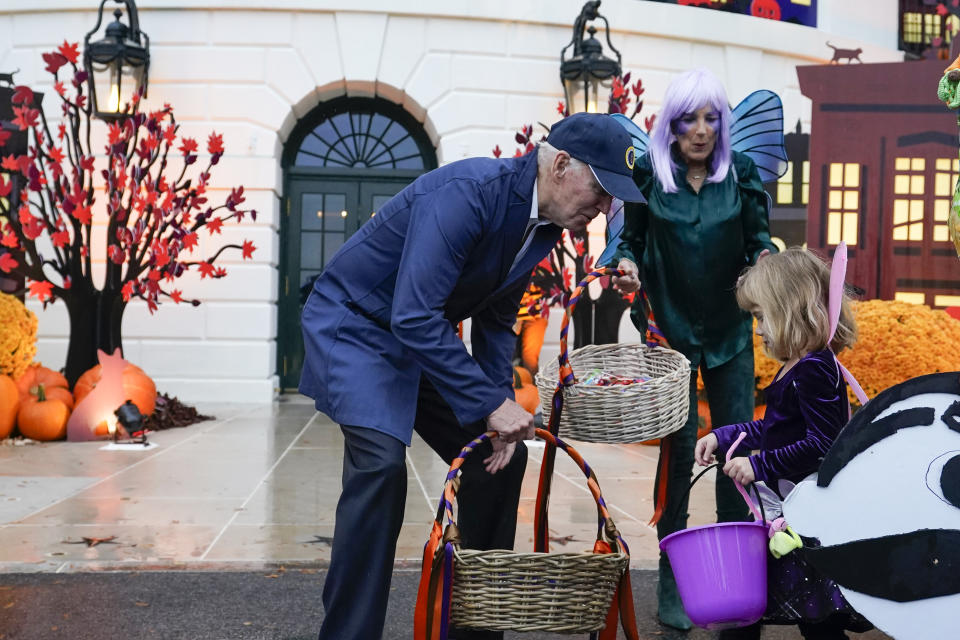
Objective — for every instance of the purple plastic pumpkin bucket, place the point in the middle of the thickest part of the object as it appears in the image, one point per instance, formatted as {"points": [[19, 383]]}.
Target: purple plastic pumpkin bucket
{"points": [[721, 572]]}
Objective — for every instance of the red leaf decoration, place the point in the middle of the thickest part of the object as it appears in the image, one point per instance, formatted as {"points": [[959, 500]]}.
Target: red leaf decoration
{"points": [[7, 263], [70, 51], [54, 61], [248, 249], [5, 187], [190, 241], [215, 143], [26, 117], [116, 254], [56, 154], [115, 133], [214, 225], [60, 238], [41, 290], [648, 122], [127, 291], [188, 146], [22, 95], [496, 151], [4, 136], [206, 269], [82, 214]]}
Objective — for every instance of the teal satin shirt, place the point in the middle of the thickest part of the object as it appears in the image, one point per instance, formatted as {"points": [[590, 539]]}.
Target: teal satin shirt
{"points": [[690, 248]]}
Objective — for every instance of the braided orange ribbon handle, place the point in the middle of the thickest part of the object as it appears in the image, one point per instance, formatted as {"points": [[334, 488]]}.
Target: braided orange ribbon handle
{"points": [[564, 379]]}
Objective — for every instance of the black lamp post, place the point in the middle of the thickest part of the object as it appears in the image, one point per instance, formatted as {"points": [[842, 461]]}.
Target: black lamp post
{"points": [[587, 74], [117, 65]]}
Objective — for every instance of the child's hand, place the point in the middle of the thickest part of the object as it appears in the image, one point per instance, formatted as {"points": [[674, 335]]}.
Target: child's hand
{"points": [[703, 453], [740, 470]]}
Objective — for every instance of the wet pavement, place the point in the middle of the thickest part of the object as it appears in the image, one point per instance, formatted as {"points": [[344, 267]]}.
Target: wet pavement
{"points": [[222, 530]]}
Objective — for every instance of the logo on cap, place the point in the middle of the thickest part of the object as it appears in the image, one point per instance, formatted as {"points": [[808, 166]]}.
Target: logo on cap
{"points": [[630, 157]]}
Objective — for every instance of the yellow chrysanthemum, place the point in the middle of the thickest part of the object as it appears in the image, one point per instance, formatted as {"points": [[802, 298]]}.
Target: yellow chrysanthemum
{"points": [[898, 341], [18, 336]]}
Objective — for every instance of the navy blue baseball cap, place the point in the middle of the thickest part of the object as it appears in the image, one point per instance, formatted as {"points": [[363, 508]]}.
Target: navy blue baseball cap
{"points": [[603, 143]]}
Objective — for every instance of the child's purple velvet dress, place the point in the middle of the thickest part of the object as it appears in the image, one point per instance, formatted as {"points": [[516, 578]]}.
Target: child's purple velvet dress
{"points": [[806, 408]]}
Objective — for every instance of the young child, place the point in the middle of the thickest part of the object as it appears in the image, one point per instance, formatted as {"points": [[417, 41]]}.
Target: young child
{"points": [[807, 406]]}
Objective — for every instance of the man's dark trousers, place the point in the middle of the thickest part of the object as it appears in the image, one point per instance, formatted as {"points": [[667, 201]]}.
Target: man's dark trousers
{"points": [[370, 512]]}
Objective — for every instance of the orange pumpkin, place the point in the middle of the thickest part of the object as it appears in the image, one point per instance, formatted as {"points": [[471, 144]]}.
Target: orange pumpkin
{"points": [[54, 393], [9, 404], [527, 397], [42, 419], [39, 374], [523, 375], [137, 385]]}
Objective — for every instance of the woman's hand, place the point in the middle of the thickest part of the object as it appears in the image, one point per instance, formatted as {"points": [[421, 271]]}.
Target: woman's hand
{"points": [[703, 453], [740, 470], [630, 280]]}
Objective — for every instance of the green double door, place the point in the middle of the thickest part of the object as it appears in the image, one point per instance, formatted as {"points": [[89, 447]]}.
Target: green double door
{"points": [[319, 214]]}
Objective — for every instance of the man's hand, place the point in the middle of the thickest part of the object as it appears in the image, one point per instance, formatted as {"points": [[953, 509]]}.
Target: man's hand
{"points": [[502, 453], [513, 423], [630, 280], [740, 470], [703, 452]]}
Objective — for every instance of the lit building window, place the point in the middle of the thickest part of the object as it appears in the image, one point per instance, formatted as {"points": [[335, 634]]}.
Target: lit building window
{"points": [[785, 186], [912, 27], [805, 188], [931, 27], [843, 203], [908, 188], [911, 297], [946, 301], [943, 183], [951, 26]]}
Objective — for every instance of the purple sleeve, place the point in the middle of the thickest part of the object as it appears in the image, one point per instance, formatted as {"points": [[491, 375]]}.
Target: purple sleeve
{"points": [[728, 433], [824, 410]]}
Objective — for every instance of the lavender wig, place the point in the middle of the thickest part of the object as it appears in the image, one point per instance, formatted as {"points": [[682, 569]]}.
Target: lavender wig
{"points": [[688, 92]]}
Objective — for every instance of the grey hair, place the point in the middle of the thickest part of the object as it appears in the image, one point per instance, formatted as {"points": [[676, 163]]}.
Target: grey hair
{"points": [[547, 152]]}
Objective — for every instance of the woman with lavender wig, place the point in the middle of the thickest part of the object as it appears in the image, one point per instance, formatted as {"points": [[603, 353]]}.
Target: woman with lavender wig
{"points": [[705, 219]]}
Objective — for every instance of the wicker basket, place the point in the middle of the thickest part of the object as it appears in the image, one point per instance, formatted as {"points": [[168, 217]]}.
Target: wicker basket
{"points": [[558, 592], [529, 591], [622, 413], [616, 413]]}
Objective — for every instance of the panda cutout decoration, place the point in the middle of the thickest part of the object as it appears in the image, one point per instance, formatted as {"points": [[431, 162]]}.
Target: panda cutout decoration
{"points": [[884, 510]]}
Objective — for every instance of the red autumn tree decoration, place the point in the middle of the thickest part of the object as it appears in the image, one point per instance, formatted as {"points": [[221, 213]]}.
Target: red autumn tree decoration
{"points": [[151, 198]]}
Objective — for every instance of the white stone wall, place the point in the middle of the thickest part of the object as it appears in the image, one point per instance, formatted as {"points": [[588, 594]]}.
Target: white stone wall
{"points": [[472, 72]]}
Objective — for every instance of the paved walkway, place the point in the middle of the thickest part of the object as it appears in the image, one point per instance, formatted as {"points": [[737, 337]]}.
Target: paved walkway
{"points": [[223, 529], [258, 486]]}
